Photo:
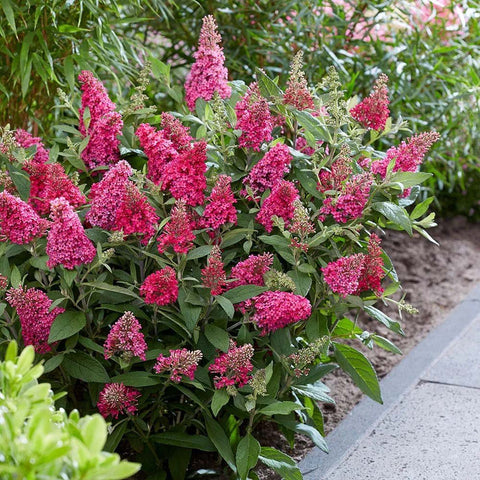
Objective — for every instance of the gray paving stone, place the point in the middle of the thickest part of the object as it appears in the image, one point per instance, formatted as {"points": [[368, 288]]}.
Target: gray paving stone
{"points": [[432, 434], [459, 363]]}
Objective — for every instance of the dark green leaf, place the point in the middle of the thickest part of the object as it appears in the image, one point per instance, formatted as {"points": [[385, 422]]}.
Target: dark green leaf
{"points": [[280, 408], [65, 325], [220, 440], [179, 439], [395, 214], [138, 379], [360, 370], [226, 304], [281, 463], [220, 399], [199, 252], [218, 337], [86, 368], [318, 391], [385, 319], [386, 344], [248, 451], [243, 292]]}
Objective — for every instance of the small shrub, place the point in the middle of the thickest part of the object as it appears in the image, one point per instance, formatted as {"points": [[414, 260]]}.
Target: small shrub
{"points": [[38, 441]]}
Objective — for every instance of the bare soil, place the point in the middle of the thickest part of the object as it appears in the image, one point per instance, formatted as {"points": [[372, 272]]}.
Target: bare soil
{"points": [[435, 279]]}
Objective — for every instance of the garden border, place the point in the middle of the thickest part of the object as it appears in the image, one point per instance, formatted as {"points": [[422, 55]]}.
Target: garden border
{"points": [[367, 414]]}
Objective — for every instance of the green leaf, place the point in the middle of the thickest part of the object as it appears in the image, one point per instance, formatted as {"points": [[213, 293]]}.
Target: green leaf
{"points": [[280, 408], [9, 14], [138, 379], [243, 292], [385, 319], [190, 314], [386, 344], [281, 463], [248, 451], [268, 87], [220, 399], [316, 373], [15, 277], [199, 252], [218, 337], [317, 391], [421, 208], [66, 325], [395, 214], [220, 440], [313, 125], [303, 282], [21, 181], [226, 304], [314, 435], [115, 437], [84, 367], [52, 363], [360, 370], [410, 179], [113, 288], [180, 439]]}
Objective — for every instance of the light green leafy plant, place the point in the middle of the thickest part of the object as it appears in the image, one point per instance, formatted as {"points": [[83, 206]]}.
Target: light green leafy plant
{"points": [[38, 441]]}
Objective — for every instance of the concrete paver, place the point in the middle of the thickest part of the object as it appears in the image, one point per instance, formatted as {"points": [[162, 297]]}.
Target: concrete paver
{"points": [[429, 425]]}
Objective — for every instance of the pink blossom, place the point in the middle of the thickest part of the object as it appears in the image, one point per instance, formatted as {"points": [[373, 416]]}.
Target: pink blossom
{"points": [[349, 203], [280, 203], [234, 367], [26, 140], [254, 119], [297, 93], [174, 131], [185, 176], [67, 243], [160, 151], [251, 270], [343, 275], [274, 310], [135, 215], [408, 155], [18, 221], [106, 195], [373, 112], [302, 146], [213, 275], [49, 181], [161, 287], [372, 271], [178, 232], [36, 318], [208, 74], [104, 125], [117, 399], [269, 170], [125, 338], [180, 362], [220, 207]]}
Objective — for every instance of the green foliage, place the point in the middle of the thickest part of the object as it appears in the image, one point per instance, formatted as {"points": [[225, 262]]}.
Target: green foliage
{"points": [[46, 44], [191, 415], [39, 441]]}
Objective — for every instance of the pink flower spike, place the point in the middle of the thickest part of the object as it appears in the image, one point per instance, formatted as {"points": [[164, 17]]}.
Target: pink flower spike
{"points": [[208, 74], [67, 243], [106, 195], [297, 93], [36, 318], [254, 119], [104, 125], [220, 207], [161, 287], [135, 215], [126, 339], [343, 275], [251, 270], [275, 310], [269, 170], [180, 362], [26, 140], [19, 222], [213, 275], [234, 367], [372, 112], [178, 232], [116, 399], [280, 203]]}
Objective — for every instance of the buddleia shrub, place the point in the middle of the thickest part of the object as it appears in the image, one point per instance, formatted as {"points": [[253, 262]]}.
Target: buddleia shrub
{"points": [[190, 274]]}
